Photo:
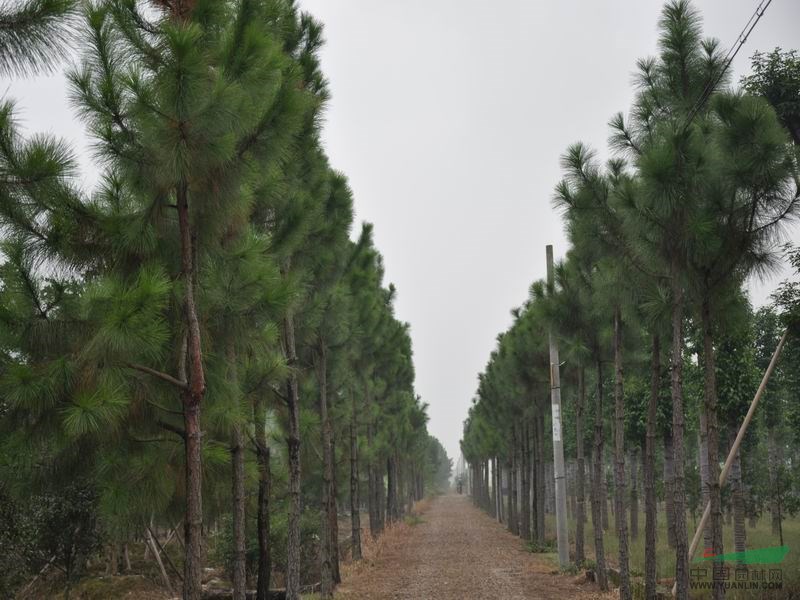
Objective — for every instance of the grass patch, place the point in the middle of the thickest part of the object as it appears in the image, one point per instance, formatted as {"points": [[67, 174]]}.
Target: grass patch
{"points": [[413, 520], [760, 536]]}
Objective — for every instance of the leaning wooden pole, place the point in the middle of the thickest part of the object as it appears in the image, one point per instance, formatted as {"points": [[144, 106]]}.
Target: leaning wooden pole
{"points": [[723, 476], [558, 442]]}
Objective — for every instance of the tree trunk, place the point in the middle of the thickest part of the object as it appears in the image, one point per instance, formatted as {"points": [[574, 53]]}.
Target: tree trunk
{"points": [[325, 545], [239, 534], [679, 488], [737, 499], [380, 491], [539, 468], [192, 398], [525, 496], [493, 493], [293, 446], [238, 492], [669, 487], [712, 437], [334, 512], [775, 459], [264, 483], [513, 522], [372, 490], [634, 493], [509, 495], [598, 494], [605, 500], [580, 491], [355, 515], [650, 509], [619, 462]]}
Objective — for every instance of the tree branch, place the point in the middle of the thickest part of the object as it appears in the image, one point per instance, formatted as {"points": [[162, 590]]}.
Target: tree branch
{"points": [[160, 375]]}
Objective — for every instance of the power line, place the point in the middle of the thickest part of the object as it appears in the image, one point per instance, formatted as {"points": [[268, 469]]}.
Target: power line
{"points": [[728, 59]]}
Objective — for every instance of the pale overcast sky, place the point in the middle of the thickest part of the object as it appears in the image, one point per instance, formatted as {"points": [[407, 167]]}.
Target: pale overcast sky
{"points": [[449, 117]]}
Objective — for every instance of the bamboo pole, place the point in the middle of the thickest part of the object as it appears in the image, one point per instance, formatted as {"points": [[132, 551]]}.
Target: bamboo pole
{"points": [[723, 476], [558, 442]]}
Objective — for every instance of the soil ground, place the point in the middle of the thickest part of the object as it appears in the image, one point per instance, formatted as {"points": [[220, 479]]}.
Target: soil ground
{"points": [[457, 552]]}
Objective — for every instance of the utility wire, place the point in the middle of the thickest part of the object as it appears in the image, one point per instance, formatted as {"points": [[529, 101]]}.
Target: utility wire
{"points": [[727, 60]]}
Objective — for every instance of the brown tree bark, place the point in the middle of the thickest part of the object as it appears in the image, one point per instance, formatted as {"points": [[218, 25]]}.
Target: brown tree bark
{"points": [[650, 508], [580, 491], [775, 458], [634, 492], [513, 524], [539, 490], [669, 485], [679, 486], [355, 514], [737, 499], [712, 437], [237, 492], [239, 534], [326, 566], [293, 446], [619, 462], [334, 512], [264, 483], [598, 493], [509, 496], [191, 397], [525, 496]]}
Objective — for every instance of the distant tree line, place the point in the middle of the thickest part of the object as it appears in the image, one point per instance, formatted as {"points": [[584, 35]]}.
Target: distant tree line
{"points": [[663, 351], [198, 340]]}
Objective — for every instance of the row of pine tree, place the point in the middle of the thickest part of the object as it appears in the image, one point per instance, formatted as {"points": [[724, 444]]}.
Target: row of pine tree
{"points": [[661, 345], [198, 339]]}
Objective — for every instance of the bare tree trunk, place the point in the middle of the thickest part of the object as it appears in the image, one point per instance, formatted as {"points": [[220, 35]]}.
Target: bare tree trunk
{"points": [[525, 499], [605, 500], [634, 493], [239, 540], [380, 491], [539, 467], [775, 459], [513, 522], [334, 512], [192, 397], [712, 440], [264, 483], [493, 491], [737, 489], [669, 486], [598, 494], [293, 445], [650, 509], [679, 489], [326, 566], [510, 495], [355, 515], [580, 492], [372, 490], [237, 492], [619, 462]]}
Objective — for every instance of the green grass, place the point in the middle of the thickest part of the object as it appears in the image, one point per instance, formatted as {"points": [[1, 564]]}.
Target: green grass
{"points": [[759, 537]]}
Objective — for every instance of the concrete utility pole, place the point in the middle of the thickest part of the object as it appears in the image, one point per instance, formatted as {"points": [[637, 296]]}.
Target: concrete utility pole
{"points": [[558, 442]]}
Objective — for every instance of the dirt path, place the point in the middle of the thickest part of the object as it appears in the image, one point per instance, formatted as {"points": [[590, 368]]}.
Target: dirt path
{"points": [[457, 553]]}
